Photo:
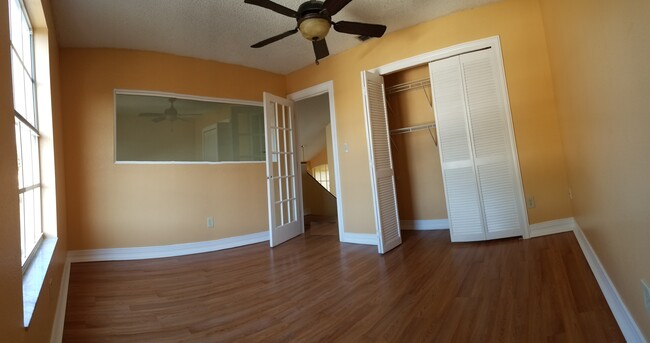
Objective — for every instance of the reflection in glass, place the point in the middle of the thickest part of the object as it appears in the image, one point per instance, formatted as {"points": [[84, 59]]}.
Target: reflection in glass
{"points": [[167, 129]]}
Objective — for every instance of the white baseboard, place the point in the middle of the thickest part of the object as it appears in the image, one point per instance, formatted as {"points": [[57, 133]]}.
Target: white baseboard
{"points": [[552, 227], [427, 224], [622, 315], [359, 238], [139, 253], [59, 315]]}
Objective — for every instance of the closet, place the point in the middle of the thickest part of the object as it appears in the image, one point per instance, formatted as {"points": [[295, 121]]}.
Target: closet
{"points": [[467, 170], [414, 147]]}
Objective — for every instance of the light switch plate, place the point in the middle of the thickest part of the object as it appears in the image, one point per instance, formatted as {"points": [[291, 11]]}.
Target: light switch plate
{"points": [[530, 202], [210, 222]]}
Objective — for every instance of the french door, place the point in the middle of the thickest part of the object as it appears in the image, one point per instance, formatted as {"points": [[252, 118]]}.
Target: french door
{"points": [[282, 170]]}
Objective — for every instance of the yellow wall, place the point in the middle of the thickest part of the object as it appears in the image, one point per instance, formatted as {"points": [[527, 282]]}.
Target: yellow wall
{"points": [[121, 205], [519, 24], [320, 158], [11, 314], [418, 173], [599, 54]]}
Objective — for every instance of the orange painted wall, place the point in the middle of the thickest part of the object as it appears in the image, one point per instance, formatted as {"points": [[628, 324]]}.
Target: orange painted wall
{"points": [[11, 306], [519, 24], [599, 52], [123, 205]]}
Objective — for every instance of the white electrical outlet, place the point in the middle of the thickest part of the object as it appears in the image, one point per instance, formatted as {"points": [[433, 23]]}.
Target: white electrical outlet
{"points": [[210, 222], [646, 295], [530, 202]]}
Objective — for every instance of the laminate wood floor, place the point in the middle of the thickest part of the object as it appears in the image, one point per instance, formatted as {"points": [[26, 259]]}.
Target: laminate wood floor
{"points": [[315, 289]]}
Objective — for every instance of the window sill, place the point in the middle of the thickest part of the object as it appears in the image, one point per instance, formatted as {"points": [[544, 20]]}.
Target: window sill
{"points": [[34, 277]]}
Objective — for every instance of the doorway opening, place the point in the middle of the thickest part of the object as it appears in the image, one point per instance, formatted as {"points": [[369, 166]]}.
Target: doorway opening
{"points": [[316, 141]]}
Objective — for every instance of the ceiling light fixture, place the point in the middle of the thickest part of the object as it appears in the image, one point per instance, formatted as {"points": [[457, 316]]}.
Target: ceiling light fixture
{"points": [[313, 22], [314, 29]]}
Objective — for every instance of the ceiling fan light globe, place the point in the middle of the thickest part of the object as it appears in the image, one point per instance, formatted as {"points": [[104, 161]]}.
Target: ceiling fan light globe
{"points": [[314, 29]]}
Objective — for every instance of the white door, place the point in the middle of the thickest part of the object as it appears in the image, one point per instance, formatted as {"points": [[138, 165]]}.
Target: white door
{"points": [[283, 178], [482, 185], [461, 189], [381, 163], [494, 146]]}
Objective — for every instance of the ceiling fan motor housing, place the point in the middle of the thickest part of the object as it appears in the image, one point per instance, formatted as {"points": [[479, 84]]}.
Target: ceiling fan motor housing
{"points": [[313, 22]]}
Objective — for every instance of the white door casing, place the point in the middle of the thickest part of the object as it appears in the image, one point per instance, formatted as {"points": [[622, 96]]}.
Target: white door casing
{"points": [[282, 170], [381, 164]]}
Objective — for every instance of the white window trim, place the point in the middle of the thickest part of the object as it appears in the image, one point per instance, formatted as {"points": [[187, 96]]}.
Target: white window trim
{"points": [[33, 127]]}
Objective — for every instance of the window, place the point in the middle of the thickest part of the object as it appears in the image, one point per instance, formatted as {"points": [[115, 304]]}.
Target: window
{"points": [[27, 135], [172, 128], [322, 174]]}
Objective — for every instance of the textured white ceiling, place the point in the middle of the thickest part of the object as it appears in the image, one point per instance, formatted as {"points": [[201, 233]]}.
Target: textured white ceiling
{"points": [[223, 30]]}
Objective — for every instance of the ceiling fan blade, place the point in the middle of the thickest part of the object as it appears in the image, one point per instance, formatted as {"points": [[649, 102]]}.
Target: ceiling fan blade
{"points": [[320, 49], [189, 115], [158, 120], [273, 7], [274, 39], [150, 114], [334, 6], [361, 29]]}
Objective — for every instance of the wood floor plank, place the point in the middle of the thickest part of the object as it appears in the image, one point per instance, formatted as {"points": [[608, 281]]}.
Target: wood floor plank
{"points": [[316, 289]]}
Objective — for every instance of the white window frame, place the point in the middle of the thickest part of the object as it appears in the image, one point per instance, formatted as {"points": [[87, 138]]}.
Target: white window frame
{"points": [[28, 251], [321, 174]]}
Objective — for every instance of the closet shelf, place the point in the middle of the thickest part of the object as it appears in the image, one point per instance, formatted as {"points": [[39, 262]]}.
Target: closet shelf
{"points": [[414, 128], [401, 87]]}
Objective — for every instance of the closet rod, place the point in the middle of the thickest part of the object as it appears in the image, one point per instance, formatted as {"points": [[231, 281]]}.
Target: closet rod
{"points": [[413, 128], [401, 87]]}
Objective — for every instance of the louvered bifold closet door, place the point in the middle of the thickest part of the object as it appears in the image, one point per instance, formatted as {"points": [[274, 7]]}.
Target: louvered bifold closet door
{"points": [[460, 181], [381, 169], [492, 145]]}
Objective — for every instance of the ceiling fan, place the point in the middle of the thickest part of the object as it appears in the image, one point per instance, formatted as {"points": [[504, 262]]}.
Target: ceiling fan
{"points": [[314, 19], [170, 114]]}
